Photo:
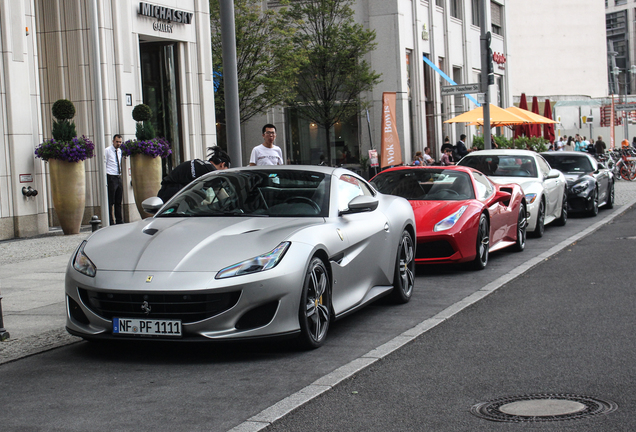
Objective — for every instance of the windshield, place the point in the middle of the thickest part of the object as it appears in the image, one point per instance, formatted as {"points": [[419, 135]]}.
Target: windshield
{"points": [[570, 163], [502, 165], [281, 193], [425, 184]]}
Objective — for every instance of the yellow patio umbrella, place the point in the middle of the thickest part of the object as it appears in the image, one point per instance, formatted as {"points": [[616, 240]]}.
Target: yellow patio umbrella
{"points": [[498, 117], [530, 116]]}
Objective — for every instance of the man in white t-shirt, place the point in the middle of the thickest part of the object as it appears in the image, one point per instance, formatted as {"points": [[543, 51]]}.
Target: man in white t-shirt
{"points": [[267, 153]]}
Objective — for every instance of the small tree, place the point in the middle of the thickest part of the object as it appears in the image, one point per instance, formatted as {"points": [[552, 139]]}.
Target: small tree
{"points": [[63, 129], [266, 63], [335, 73], [143, 130]]}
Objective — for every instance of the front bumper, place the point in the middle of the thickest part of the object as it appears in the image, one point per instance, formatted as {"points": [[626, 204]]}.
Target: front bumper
{"points": [[261, 304]]}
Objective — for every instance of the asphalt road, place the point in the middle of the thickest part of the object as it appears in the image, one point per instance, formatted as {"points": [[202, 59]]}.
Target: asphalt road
{"points": [[564, 327], [203, 387]]}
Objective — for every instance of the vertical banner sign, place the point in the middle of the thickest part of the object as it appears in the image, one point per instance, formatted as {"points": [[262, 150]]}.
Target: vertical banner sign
{"points": [[390, 145], [612, 120]]}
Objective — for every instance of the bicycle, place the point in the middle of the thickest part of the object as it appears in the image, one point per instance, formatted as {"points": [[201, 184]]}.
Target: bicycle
{"points": [[622, 163]]}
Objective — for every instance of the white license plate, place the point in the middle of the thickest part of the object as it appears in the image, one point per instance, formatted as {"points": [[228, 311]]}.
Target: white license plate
{"points": [[146, 327]]}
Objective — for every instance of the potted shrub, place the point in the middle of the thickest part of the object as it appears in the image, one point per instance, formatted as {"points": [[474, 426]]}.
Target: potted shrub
{"points": [[65, 154], [145, 154]]}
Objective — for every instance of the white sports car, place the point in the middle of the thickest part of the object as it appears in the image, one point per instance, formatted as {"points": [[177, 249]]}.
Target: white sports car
{"points": [[245, 253], [545, 188]]}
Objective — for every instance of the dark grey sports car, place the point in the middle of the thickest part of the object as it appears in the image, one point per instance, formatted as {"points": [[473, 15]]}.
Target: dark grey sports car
{"points": [[245, 253], [590, 184]]}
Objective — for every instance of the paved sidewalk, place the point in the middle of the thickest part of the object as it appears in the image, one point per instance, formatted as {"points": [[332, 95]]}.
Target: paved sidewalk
{"points": [[32, 285]]}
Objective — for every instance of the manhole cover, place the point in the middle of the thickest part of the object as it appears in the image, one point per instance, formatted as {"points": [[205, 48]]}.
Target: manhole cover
{"points": [[541, 408]]}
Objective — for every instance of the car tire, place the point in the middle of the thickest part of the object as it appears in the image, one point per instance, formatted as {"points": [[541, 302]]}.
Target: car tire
{"points": [[404, 275], [610, 198], [540, 227], [315, 305], [594, 210], [522, 230], [563, 218], [482, 243]]}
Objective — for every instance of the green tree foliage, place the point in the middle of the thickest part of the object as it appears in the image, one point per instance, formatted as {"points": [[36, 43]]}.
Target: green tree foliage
{"points": [[63, 129], [335, 74], [267, 65], [538, 144]]}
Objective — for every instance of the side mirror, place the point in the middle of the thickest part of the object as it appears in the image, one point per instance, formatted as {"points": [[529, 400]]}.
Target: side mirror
{"points": [[601, 166], [152, 205], [502, 196], [361, 203], [553, 174]]}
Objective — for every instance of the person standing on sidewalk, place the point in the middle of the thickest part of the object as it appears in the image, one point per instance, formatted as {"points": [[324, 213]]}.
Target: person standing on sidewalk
{"points": [[267, 153], [113, 177]]}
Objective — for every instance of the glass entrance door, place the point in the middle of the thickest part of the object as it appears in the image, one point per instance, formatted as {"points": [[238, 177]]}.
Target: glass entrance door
{"points": [[160, 84]]}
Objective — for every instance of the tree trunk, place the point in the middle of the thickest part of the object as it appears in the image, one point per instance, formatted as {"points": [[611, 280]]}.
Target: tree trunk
{"points": [[328, 155]]}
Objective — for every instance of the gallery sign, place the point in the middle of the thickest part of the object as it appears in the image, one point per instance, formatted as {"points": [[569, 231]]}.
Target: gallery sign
{"points": [[162, 13]]}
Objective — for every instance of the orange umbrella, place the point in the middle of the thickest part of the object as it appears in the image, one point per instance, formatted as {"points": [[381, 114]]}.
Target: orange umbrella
{"points": [[530, 116], [498, 117]]}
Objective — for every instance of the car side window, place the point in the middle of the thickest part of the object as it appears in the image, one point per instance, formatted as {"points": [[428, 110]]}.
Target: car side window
{"points": [[348, 188], [544, 167], [484, 187]]}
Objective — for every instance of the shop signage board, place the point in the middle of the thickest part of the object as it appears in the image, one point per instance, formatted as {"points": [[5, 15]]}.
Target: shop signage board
{"points": [[625, 107]]}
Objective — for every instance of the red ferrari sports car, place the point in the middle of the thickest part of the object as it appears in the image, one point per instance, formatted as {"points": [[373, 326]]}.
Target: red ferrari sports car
{"points": [[460, 215]]}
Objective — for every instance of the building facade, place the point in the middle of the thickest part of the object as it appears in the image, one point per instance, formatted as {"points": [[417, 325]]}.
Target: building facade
{"points": [[558, 51], [156, 53], [422, 45]]}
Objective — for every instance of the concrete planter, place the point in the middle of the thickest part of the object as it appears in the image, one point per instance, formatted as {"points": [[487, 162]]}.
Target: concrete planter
{"points": [[68, 189], [146, 179]]}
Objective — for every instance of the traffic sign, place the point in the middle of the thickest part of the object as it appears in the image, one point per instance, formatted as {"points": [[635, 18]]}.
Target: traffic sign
{"points": [[460, 89], [624, 107]]}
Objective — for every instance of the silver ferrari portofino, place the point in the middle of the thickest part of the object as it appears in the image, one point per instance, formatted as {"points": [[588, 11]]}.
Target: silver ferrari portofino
{"points": [[245, 253]]}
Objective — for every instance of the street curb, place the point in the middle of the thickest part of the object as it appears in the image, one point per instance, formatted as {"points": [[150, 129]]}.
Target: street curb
{"points": [[289, 404], [15, 349]]}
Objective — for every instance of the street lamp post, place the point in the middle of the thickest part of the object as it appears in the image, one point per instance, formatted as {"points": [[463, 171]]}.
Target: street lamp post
{"points": [[632, 71]]}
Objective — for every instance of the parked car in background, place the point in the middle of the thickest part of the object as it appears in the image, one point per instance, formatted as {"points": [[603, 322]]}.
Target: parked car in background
{"points": [[245, 253], [461, 216], [590, 183], [545, 188]]}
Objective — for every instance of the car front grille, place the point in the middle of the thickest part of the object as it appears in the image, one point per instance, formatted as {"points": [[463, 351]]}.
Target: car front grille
{"points": [[187, 307], [434, 249]]}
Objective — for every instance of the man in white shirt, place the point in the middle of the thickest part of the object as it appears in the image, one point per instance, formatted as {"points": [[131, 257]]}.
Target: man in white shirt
{"points": [[113, 177], [267, 153]]}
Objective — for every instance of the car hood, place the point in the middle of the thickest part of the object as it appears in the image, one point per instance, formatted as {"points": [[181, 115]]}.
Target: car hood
{"points": [[573, 178], [189, 244], [428, 213], [526, 183]]}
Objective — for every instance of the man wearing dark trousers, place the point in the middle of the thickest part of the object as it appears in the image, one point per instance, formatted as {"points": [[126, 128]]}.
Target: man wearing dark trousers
{"points": [[115, 185]]}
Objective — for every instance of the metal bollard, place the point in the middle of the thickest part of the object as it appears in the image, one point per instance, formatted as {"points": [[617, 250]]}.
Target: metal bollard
{"points": [[95, 222], [4, 335]]}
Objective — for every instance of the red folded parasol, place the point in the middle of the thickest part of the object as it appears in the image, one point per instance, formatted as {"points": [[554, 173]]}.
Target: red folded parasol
{"points": [[535, 129], [548, 129], [522, 129]]}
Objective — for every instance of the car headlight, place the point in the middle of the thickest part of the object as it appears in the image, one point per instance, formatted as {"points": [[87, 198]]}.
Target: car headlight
{"points": [[580, 187], [531, 197], [253, 265], [449, 222], [82, 263]]}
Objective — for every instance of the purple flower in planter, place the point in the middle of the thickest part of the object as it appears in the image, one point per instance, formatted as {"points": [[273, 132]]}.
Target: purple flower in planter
{"points": [[79, 149], [156, 147]]}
